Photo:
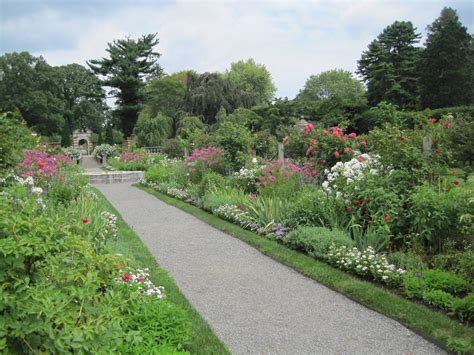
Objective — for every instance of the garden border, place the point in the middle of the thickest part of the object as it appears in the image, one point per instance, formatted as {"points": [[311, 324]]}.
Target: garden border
{"points": [[433, 326], [137, 252]]}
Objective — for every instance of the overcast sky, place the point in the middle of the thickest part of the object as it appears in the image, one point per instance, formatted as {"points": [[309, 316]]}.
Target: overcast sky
{"points": [[294, 39]]}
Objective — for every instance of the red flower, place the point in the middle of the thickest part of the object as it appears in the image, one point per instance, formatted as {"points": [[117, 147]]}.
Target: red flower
{"points": [[308, 128], [370, 221], [432, 120], [335, 134], [436, 152], [360, 158], [456, 182], [309, 150], [85, 221], [40, 164], [126, 277], [314, 173], [343, 139], [447, 124], [364, 143], [349, 208], [352, 135], [139, 279], [347, 150], [336, 154], [285, 140], [386, 218], [313, 141], [119, 265]]}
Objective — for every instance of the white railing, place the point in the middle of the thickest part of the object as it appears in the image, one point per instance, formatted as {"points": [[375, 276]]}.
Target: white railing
{"points": [[153, 150]]}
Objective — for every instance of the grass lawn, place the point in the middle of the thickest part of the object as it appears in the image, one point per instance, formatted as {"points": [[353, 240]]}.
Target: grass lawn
{"points": [[434, 326], [203, 341]]}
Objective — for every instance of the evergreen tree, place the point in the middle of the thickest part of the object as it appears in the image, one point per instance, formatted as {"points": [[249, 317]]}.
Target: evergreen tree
{"points": [[109, 134], [447, 70], [66, 136], [129, 63], [389, 66]]}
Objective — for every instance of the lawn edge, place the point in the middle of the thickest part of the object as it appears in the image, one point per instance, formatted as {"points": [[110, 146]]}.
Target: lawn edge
{"points": [[157, 268], [453, 328]]}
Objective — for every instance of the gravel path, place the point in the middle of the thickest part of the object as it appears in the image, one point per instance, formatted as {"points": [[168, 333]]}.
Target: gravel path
{"points": [[254, 304]]}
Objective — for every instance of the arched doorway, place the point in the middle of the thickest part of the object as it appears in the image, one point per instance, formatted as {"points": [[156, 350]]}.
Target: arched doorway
{"points": [[84, 146]]}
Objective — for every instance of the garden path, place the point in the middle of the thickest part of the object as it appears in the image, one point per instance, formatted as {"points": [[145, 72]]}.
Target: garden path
{"points": [[253, 303]]}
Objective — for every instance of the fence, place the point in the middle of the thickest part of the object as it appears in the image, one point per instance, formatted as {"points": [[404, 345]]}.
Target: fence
{"points": [[153, 150]]}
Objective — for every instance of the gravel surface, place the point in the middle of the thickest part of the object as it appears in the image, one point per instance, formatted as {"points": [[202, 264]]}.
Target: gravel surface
{"points": [[254, 304]]}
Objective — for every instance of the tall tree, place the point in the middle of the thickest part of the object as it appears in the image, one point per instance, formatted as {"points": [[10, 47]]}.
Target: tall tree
{"points": [[32, 87], [84, 105], [447, 64], [130, 62], [389, 66], [252, 82], [165, 95]]}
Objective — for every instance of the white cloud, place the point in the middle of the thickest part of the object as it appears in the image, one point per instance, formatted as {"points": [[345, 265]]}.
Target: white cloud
{"points": [[294, 39]]}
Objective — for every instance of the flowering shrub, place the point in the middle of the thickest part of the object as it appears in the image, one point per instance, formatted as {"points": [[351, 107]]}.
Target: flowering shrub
{"points": [[139, 279], [325, 147], [278, 177], [131, 156], [72, 153], [104, 151], [366, 263], [41, 165], [343, 174], [178, 193], [203, 159]]}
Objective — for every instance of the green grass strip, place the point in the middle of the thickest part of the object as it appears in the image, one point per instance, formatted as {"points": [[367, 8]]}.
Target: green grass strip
{"points": [[434, 326], [203, 340]]}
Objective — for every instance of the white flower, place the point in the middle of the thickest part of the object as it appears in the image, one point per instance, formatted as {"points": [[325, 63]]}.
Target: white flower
{"points": [[254, 160], [37, 190], [385, 277]]}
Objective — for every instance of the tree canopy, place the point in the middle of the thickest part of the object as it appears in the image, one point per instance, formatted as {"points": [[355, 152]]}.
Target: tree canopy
{"points": [[129, 63], [252, 82], [389, 66], [447, 64]]}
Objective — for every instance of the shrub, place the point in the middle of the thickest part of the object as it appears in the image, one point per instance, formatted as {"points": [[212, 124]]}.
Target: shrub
{"points": [[172, 148], [265, 212], [151, 131], [14, 138], [202, 160], [278, 178], [161, 326], [236, 141], [265, 144], [104, 151], [316, 241], [216, 197], [434, 280], [464, 307], [309, 207], [439, 299], [212, 180], [408, 261], [168, 171]]}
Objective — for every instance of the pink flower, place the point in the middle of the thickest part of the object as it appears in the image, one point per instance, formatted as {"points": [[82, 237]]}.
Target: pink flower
{"points": [[335, 134], [265, 170], [360, 158], [386, 218], [347, 150], [336, 154], [308, 128], [364, 143], [446, 124], [352, 135], [271, 178], [126, 277], [325, 132], [432, 120]]}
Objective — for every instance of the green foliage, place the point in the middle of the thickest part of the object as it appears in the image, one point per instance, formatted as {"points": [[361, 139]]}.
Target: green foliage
{"points": [[266, 211], [217, 196], [316, 240], [14, 137], [151, 131], [309, 207], [377, 116], [464, 307], [435, 215], [109, 135], [236, 141], [461, 139], [277, 117], [434, 280], [172, 148], [439, 299], [389, 66], [84, 105], [168, 172], [252, 82], [447, 63], [407, 261], [265, 145], [130, 62], [165, 95], [161, 326]]}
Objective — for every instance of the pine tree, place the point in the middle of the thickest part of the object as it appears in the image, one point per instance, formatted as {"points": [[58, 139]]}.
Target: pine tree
{"points": [[389, 66], [130, 62], [446, 68]]}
